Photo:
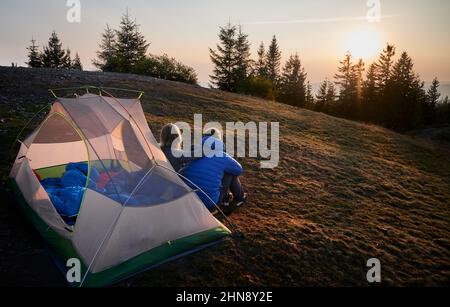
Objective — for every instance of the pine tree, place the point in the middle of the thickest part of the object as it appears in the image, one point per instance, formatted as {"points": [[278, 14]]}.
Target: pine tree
{"points": [[67, 61], [383, 73], [107, 52], [433, 94], [331, 98], [223, 59], [431, 101], [326, 97], [309, 96], [273, 61], [404, 96], [131, 45], [292, 88], [54, 56], [370, 94], [345, 76], [321, 97], [34, 56], [384, 66], [242, 62], [346, 79], [358, 69], [261, 68], [76, 63]]}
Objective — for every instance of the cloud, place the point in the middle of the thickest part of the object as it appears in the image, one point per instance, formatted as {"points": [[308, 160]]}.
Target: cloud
{"points": [[316, 20]]}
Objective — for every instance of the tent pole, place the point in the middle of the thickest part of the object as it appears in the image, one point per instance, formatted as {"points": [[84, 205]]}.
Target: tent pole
{"points": [[87, 87], [137, 125], [233, 226], [53, 93], [25, 127]]}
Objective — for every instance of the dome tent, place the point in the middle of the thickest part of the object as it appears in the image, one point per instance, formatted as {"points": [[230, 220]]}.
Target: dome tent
{"points": [[142, 214]]}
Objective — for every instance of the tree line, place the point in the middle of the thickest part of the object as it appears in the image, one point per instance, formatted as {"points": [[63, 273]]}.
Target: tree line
{"points": [[53, 55], [389, 93], [123, 50], [235, 70]]}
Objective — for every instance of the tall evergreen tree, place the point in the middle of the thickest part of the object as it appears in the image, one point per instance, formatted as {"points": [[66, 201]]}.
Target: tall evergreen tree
{"points": [[346, 79], [309, 96], [345, 76], [384, 66], [224, 59], [107, 52], [292, 87], [358, 69], [330, 98], [404, 96], [433, 94], [370, 94], [67, 61], [130, 46], [76, 63], [242, 62], [321, 97], [273, 61], [325, 97], [54, 55], [430, 103], [261, 68], [34, 56]]}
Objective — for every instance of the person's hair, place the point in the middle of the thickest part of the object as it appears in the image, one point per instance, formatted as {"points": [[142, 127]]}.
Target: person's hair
{"points": [[169, 134], [213, 132]]}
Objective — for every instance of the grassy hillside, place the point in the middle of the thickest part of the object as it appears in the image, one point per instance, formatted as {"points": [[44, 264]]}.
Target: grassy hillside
{"points": [[344, 192]]}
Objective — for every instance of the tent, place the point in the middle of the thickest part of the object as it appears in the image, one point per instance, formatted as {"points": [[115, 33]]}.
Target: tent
{"points": [[134, 212]]}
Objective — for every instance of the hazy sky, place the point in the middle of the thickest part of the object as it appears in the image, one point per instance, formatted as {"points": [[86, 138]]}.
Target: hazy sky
{"points": [[320, 30]]}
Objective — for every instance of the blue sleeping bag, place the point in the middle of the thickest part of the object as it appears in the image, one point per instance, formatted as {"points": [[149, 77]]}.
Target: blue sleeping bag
{"points": [[67, 200], [66, 193]]}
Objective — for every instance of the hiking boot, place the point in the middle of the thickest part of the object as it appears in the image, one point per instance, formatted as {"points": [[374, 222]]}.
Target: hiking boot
{"points": [[227, 199], [241, 201]]}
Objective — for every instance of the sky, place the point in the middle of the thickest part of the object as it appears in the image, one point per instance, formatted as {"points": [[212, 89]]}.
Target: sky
{"points": [[320, 31]]}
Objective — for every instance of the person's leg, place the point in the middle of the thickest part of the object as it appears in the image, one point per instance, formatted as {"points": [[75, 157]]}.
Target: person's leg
{"points": [[236, 189], [226, 184], [233, 184]]}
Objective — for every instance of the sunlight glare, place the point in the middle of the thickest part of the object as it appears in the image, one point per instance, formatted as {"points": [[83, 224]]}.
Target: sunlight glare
{"points": [[363, 43]]}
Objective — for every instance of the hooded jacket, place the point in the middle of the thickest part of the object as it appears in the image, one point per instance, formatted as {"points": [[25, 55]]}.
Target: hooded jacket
{"points": [[207, 173]]}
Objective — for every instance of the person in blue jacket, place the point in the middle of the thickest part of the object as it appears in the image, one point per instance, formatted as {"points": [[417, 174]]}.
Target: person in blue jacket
{"points": [[215, 174]]}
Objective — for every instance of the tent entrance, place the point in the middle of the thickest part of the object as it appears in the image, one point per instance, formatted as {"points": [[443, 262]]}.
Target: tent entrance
{"points": [[59, 158]]}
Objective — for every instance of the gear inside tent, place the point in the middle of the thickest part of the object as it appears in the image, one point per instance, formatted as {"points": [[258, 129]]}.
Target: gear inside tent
{"points": [[96, 185]]}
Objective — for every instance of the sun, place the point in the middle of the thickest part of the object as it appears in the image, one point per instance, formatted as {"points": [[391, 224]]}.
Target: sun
{"points": [[363, 43]]}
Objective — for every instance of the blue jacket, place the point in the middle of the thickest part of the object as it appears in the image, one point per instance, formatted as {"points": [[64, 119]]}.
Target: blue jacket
{"points": [[207, 173]]}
